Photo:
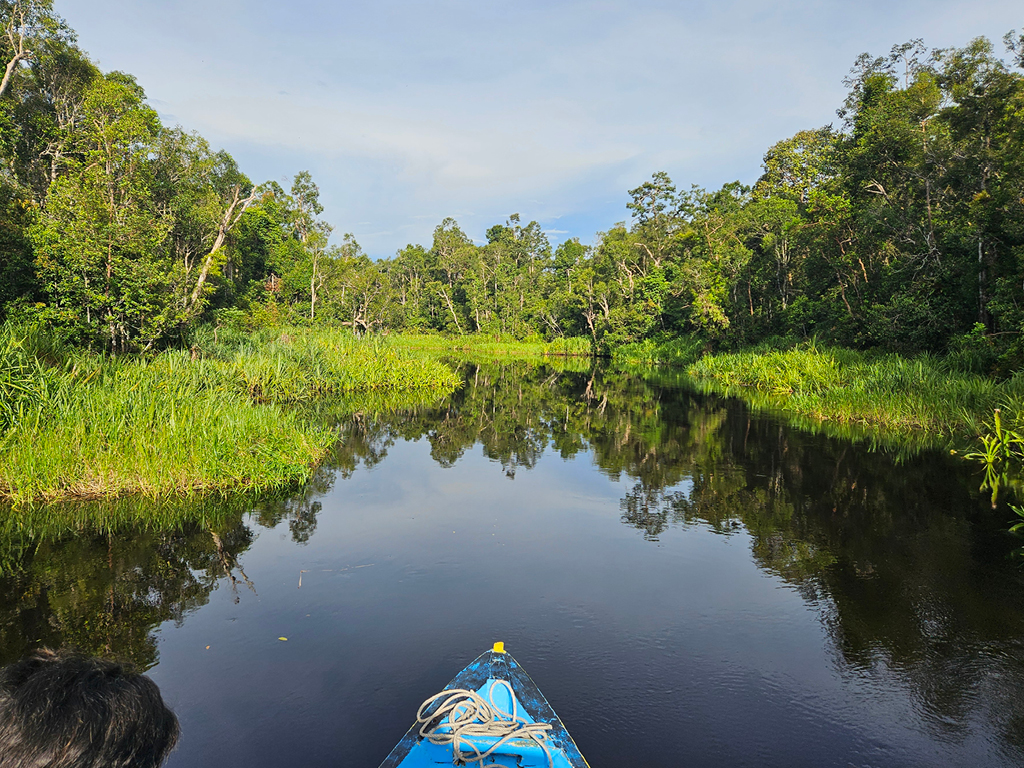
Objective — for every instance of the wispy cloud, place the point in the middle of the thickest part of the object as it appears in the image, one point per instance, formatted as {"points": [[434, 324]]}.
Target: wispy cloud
{"points": [[465, 109]]}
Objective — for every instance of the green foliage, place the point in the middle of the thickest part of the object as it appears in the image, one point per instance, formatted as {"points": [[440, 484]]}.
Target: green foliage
{"points": [[1000, 445], [1001, 449], [1017, 527], [27, 381], [96, 238], [973, 352], [575, 346], [299, 366], [18, 280], [900, 232], [493, 346], [681, 351]]}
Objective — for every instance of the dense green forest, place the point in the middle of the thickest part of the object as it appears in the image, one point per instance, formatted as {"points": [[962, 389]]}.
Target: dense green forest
{"points": [[899, 227]]}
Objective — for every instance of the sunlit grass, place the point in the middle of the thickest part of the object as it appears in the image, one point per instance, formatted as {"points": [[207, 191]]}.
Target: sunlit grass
{"points": [[678, 351], [884, 391], [495, 347], [79, 425]]}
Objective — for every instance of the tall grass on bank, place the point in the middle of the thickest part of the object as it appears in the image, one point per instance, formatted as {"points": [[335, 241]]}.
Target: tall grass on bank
{"points": [[882, 391], [26, 378], [298, 366], [570, 346], [495, 347], [902, 405], [677, 351], [79, 425]]}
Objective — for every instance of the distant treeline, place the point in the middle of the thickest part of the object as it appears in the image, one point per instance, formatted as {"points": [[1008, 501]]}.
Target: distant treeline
{"points": [[901, 227]]}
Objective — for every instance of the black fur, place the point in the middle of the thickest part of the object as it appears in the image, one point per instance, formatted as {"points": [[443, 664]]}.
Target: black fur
{"points": [[66, 710]]}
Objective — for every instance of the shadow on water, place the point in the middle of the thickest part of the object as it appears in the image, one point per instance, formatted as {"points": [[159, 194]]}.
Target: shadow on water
{"points": [[908, 565]]}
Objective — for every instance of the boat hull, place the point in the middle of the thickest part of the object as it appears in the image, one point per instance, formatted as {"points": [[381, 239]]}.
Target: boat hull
{"points": [[414, 751]]}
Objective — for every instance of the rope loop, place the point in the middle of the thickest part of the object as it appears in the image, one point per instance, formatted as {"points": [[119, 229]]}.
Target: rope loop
{"points": [[471, 716]]}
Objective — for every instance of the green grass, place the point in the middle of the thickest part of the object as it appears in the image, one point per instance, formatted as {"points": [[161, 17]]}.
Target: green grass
{"points": [[218, 417], [885, 392], [572, 346], [494, 347], [903, 405], [303, 365], [678, 351]]}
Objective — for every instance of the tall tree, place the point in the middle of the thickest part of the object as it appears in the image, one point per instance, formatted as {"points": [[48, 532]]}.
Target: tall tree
{"points": [[100, 240], [205, 195]]}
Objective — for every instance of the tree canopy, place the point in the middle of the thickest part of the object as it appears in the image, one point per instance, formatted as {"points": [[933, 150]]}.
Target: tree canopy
{"points": [[899, 227]]}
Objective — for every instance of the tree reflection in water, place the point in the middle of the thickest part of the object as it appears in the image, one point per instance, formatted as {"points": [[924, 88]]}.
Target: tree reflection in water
{"points": [[97, 584], [908, 564]]}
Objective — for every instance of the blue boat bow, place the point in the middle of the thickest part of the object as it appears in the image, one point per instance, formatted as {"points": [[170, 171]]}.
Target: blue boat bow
{"points": [[490, 714]]}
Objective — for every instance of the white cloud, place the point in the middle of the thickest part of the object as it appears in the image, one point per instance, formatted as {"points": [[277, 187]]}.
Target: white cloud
{"points": [[407, 112]]}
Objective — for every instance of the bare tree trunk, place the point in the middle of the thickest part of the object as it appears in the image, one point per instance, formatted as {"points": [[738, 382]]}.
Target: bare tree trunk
{"points": [[983, 314], [15, 34], [448, 301], [11, 65], [842, 292], [312, 288], [589, 315], [231, 216]]}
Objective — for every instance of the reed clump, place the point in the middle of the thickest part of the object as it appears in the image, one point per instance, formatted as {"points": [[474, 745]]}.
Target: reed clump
{"points": [[301, 366], [495, 346], [570, 346], [673, 351], [880, 390], [79, 425]]}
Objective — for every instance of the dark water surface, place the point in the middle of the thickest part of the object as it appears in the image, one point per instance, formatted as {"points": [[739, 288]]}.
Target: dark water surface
{"points": [[688, 583]]}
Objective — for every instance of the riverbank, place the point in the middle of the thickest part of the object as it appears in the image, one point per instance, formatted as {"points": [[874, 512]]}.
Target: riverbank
{"points": [[230, 413], [253, 411], [676, 351], [888, 392], [884, 392], [492, 347]]}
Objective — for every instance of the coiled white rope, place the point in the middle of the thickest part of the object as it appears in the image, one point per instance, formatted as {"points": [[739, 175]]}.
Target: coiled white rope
{"points": [[471, 716]]}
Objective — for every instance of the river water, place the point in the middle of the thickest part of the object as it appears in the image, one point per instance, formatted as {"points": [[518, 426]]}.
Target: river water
{"points": [[689, 583]]}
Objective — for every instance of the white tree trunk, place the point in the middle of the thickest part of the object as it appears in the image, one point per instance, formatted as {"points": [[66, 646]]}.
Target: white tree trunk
{"points": [[231, 216]]}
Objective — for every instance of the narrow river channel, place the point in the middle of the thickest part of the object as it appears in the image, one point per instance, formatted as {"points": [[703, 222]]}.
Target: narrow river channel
{"points": [[690, 584]]}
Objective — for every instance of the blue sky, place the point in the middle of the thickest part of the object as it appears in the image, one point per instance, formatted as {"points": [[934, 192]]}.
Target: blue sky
{"points": [[407, 112]]}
